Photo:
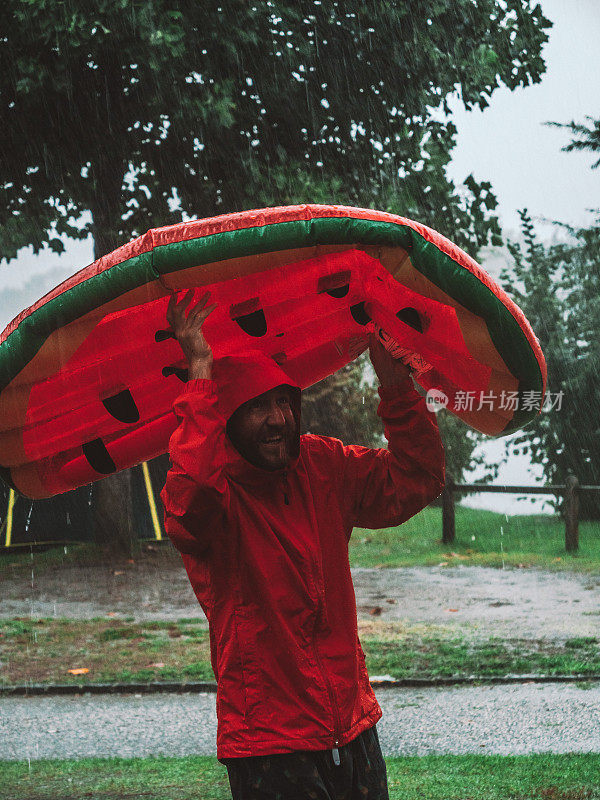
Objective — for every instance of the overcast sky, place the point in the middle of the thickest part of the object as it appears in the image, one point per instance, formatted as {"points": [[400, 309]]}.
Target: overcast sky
{"points": [[509, 145], [506, 144]]}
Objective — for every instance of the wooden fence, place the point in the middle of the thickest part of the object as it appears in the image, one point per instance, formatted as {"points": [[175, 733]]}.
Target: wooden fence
{"points": [[570, 491]]}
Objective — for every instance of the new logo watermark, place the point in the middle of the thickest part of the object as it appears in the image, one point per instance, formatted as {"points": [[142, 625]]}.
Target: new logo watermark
{"points": [[436, 399]]}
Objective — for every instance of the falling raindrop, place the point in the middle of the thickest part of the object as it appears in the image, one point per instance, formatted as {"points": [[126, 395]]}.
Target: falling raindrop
{"points": [[29, 520]]}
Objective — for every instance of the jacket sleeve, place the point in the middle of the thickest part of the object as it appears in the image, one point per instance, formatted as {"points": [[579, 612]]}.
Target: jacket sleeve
{"points": [[390, 486], [196, 492]]}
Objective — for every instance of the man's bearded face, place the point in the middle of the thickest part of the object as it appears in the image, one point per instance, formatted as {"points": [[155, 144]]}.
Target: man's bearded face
{"points": [[264, 430]]}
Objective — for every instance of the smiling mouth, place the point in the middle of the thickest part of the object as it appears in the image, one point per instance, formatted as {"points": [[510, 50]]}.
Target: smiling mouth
{"points": [[273, 440]]}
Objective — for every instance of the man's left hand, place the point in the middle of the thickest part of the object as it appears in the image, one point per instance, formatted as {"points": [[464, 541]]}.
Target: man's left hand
{"points": [[388, 369]]}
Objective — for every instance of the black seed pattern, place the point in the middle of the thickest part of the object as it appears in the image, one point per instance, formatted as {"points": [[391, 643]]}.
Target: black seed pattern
{"points": [[410, 316], [336, 285], [122, 406], [162, 336], [359, 314], [180, 372], [254, 324], [98, 457], [340, 292]]}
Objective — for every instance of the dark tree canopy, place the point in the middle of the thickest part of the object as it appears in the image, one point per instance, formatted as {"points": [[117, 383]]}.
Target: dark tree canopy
{"points": [[141, 112]]}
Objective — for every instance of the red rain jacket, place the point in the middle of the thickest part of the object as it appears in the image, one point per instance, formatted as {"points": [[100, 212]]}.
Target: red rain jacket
{"points": [[267, 556]]}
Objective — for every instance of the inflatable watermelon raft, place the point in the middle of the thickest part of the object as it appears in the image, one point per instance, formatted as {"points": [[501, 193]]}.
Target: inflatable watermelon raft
{"points": [[89, 373]]}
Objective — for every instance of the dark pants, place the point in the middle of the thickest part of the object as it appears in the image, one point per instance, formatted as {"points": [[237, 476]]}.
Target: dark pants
{"points": [[313, 774]]}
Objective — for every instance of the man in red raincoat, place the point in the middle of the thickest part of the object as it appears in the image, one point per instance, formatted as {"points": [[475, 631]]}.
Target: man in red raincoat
{"points": [[262, 517]]}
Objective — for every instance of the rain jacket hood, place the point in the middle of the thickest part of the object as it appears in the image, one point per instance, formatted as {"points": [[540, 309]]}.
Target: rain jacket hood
{"points": [[240, 378]]}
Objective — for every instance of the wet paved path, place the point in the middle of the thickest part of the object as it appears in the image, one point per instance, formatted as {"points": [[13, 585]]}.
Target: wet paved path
{"points": [[490, 602], [519, 719]]}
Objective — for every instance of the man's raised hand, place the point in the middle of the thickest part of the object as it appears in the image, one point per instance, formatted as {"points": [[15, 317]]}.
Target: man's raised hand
{"points": [[188, 332], [389, 370]]}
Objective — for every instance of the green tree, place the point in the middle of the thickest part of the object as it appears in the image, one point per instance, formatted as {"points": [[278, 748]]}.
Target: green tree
{"points": [[344, 405], [141, 113], [460, 443], [557, 287]]}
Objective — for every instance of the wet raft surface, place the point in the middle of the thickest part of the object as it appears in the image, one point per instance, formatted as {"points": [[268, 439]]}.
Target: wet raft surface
{"points": [[88, 375]]}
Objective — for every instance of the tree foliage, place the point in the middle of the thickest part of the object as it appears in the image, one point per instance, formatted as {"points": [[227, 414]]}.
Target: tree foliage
{"points": [[557, 287], [143, 112], [587, 137], [344, 405]]}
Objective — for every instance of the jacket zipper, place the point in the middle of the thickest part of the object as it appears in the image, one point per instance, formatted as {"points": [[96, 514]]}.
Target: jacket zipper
{"points": [[335, 753], [286, 495]]}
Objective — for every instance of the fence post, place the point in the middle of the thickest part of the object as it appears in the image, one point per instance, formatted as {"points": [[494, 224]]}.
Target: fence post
{"points": [[571, 514], [448, 528]]}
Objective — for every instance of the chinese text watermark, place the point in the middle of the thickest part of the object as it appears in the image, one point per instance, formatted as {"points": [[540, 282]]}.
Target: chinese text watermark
{"points": [[528, 400]]}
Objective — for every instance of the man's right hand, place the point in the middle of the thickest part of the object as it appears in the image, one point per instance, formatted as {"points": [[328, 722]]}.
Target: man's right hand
{"points": [[189, 334]]}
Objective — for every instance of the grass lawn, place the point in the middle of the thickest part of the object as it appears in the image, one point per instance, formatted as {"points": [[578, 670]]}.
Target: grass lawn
{"points": [[118, 651], [547, 777], [114, 651], [483, 538]]}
